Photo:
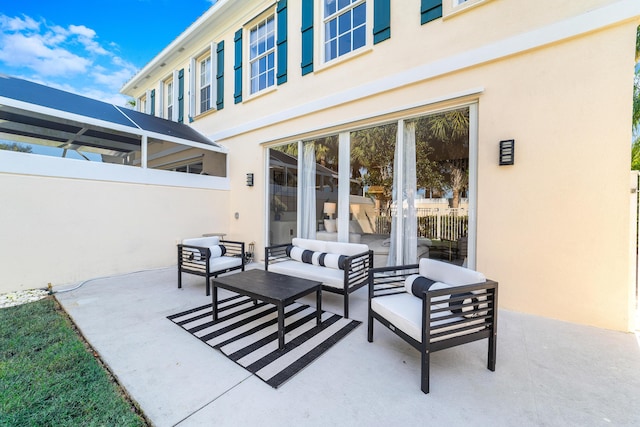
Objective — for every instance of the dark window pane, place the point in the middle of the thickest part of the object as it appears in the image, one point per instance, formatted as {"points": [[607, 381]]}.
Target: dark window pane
{"points": [[344, 23], [329, 7], [359, 37], [359, 15], [330, 29], [344, 44], [343, 3]]}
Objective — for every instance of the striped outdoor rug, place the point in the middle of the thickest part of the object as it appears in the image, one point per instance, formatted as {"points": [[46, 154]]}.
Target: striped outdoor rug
{"points": [[247, 333]]}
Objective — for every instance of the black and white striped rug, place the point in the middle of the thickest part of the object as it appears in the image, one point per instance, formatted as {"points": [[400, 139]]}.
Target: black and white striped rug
{"points": [[247, 333]]}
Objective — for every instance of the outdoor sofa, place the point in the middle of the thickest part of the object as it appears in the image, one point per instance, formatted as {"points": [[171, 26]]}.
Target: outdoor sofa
{"points": [[209, 257], [341, 267], [434, 305]]}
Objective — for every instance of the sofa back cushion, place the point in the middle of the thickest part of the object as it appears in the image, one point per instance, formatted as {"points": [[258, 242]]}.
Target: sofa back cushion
{"points": [[339, 248], [324, 254], [450, 274], [202, 241]]}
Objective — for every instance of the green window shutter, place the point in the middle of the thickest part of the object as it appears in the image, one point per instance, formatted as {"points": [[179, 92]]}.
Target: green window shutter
{"points": [[181, 96], [381, 20], [153, 102], [237, 66], [220, 76], [307, 36], [430, 10], [282, 42]]}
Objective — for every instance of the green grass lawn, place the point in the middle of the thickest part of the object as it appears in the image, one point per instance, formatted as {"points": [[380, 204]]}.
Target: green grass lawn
{"points": [[50, 377]]}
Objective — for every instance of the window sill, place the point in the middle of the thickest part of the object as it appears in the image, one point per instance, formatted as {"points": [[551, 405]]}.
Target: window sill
{"points": [[344, 58], [205, 114], [261, 93], [451, 11]]}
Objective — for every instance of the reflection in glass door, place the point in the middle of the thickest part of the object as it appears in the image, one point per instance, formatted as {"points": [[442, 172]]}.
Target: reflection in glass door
{"points": [[429, 164]]}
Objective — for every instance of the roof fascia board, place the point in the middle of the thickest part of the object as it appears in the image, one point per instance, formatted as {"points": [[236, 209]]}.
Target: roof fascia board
{"points": [[593, 20]]}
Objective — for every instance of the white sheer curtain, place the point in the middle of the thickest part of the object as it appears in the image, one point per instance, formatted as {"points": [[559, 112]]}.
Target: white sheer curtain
{"points": [[404, 225], [307, 208]]}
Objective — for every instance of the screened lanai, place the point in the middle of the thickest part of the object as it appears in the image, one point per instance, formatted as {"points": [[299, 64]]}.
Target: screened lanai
{"points": [[42, 120]]}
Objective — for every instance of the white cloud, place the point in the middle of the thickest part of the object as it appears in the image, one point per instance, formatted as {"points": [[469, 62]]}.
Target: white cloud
{"points": [[81, 30], [18, 24], [68, 58], [17, 50]]}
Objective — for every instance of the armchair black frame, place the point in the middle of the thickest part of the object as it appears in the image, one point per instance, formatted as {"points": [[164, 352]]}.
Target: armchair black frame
{"points": [[202, 267], [437, 336]]}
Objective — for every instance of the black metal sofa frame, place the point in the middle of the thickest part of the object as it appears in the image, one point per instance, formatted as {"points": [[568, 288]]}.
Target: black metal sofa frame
{"points": [[436, 336], [202, 267], [355, 271]]}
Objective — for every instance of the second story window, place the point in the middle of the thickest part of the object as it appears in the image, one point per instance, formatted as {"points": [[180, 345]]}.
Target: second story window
{"points": [[205, 84], [345, 27], [169, 97], [262, 54], [142, 104]]}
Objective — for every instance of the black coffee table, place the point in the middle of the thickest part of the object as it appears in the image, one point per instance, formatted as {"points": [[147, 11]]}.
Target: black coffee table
{"points": [[273, 288]]}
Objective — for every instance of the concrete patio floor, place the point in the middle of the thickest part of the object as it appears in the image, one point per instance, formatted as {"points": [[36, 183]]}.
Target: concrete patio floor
{"points": [[549, 373]]}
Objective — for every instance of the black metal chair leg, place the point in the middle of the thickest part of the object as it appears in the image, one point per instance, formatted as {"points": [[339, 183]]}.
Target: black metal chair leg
{"points": [[424, 386]]}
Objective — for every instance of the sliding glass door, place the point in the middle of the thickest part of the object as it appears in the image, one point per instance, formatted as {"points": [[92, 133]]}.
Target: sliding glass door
{"points": [[404, 188]]}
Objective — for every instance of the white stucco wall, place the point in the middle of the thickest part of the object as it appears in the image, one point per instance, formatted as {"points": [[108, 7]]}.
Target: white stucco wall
{"points": [[65, 230]]}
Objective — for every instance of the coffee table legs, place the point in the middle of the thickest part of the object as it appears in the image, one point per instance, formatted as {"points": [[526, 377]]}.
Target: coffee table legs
{"points": [[281, 326], [319, 306], [214, 301], [281, 329]]}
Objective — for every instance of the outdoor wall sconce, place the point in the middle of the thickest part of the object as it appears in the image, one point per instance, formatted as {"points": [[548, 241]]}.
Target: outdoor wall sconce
{"points": [[249, 180], [507, 152]]}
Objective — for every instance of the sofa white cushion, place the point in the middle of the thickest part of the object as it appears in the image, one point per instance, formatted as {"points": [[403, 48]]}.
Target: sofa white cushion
{"points": [[202, 241], [217, 251], [223, 262], [328, 276], [404, 311], [449, 273], [309, 244]]}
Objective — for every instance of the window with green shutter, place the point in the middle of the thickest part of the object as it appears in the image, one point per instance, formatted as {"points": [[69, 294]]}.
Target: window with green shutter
{"points": [[237, 67], [381, 20], [220, 75], [430, 10], [153, 102], [307, 37], [282, 42]]}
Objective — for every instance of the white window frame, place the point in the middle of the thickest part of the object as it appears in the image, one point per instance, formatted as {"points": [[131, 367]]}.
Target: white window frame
{"points": [[142, 104], [169, 94], [204, 80], [249, 76], [325, 19], [455, 7], [160, 99]]}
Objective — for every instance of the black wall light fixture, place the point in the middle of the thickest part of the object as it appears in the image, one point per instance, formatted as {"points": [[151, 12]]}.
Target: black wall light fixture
{"points": [[507, 152], [249, 180]]}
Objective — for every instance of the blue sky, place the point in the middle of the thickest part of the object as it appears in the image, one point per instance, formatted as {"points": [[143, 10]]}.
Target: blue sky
{"points": [[89, 47]]}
